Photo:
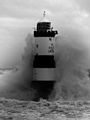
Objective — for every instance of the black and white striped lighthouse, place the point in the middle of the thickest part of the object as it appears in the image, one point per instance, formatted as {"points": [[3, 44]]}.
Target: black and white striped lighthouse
{"points": [[44, 63]]}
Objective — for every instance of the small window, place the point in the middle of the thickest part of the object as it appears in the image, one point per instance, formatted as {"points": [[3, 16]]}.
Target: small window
{"points": [[50, 39], [52, 44], [37, 45]]}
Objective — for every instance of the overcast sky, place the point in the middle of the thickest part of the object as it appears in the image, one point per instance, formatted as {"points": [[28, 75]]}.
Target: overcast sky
{"points": [[18, 17]]}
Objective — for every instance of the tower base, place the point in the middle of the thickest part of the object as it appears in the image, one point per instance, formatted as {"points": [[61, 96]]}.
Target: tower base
{"points": [[43, 89]]}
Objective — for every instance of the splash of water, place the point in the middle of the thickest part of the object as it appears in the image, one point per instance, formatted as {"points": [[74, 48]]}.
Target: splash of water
{"points": [[71, 72], [72, 80]]}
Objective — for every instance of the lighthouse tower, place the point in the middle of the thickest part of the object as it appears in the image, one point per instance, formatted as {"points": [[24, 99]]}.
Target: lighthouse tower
{"points": [[44, 63]]}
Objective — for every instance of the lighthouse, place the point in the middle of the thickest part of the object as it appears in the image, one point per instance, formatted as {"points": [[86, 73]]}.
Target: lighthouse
{"points": [[44, 62]]}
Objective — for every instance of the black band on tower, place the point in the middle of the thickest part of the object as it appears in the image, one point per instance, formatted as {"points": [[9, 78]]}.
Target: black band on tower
{"points": [[45, 33], [44, 61]]}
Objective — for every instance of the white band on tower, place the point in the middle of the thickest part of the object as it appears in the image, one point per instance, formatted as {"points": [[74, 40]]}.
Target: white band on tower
{"points": [[43, 74]]}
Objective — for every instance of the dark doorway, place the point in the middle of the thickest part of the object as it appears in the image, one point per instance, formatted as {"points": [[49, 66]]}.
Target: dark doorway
{"points": [[43, 89]]}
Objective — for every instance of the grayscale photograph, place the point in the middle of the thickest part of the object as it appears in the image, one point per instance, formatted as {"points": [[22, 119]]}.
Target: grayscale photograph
{"points": [[44, 59]]}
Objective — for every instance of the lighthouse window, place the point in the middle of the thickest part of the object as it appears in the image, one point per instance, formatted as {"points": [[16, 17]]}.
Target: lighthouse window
{"points": [[52, 44], [51, 49], [50, 39], [37, 45]]}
